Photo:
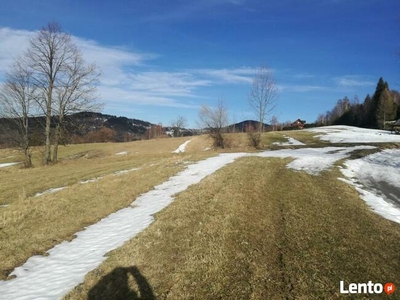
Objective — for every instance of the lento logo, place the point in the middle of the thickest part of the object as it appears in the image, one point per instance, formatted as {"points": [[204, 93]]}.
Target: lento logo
{"points": [[367, 288]]}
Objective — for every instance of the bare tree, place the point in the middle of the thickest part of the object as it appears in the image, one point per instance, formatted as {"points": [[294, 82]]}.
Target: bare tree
{"points": [[63, 81], [215, 120], [75, 92], [177, 125], [274, 123], [263, 95], [16, 100]]}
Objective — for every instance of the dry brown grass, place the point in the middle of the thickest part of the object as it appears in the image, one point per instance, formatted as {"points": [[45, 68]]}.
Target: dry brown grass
{"points": [[253, 230], [31, 225], [78, 162]]}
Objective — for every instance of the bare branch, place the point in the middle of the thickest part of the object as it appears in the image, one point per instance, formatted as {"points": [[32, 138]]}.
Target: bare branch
{"points": [[215, 120], [263, 95]]}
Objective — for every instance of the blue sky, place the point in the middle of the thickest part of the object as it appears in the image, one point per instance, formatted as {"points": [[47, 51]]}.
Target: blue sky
{"points": [[161, 59]]}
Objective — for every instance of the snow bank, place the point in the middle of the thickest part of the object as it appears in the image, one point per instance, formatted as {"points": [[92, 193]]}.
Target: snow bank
{"points": [[8, 164], [291, 142], [367, 175], [349, 134], [182, 147]]}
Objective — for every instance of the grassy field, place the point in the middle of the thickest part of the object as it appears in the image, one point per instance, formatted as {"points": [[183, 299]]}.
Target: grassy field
{"points": [[242, 233], [253, 230], [31, 225]]}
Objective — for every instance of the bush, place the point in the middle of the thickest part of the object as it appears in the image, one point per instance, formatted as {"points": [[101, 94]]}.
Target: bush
{"points": [[254, 139]]}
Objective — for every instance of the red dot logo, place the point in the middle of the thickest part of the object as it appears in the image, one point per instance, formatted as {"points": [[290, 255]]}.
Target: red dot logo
{"points": [[389, 288]]}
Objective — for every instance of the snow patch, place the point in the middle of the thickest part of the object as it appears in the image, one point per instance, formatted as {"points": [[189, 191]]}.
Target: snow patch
{"points": [[349, 134], [125, 171], [122, 153], [182, 147], [291, 142], [313, 160], [50, 191], [91, 180], [8, 164], [366, 173]]}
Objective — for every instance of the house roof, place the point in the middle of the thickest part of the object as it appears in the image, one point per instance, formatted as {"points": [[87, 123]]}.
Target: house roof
{"points": [[299, 121]]}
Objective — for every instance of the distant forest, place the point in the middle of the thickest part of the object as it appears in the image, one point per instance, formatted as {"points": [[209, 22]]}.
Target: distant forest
{"points": [[375, 112]]}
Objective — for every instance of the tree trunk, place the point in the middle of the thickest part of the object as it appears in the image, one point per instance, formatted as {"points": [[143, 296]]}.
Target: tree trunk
{"points": [[47, 153], [28, 158], [57, 140], [260, 122], [27, 152]]}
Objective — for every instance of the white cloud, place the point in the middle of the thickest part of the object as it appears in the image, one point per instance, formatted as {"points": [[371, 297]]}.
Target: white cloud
{"points": [[169, 83], [354, 81], [122, 98], [301, 88], [239, 75], [303, 76], [13, 43], [111, 60]]}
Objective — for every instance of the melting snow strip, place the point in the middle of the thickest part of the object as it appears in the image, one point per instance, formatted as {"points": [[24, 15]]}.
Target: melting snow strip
{"points": [[125, 171], [102, 176], [50, 191], [91, 180], [182, 147], [8, 164], [52, 276]]}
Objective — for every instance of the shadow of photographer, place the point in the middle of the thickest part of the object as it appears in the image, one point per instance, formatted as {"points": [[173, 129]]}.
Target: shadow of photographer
{"points": [[115, 285]]}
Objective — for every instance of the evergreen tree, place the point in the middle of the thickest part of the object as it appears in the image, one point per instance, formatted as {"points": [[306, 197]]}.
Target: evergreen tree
{"points": [[367, 116], [383, 105]]}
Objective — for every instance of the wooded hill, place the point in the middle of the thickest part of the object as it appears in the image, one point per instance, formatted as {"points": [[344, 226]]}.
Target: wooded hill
{"points": [[246, 126], [84, 127]]}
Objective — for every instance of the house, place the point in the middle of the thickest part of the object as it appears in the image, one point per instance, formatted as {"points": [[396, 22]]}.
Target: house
{"points": [[298, 124], [396, 127]]}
